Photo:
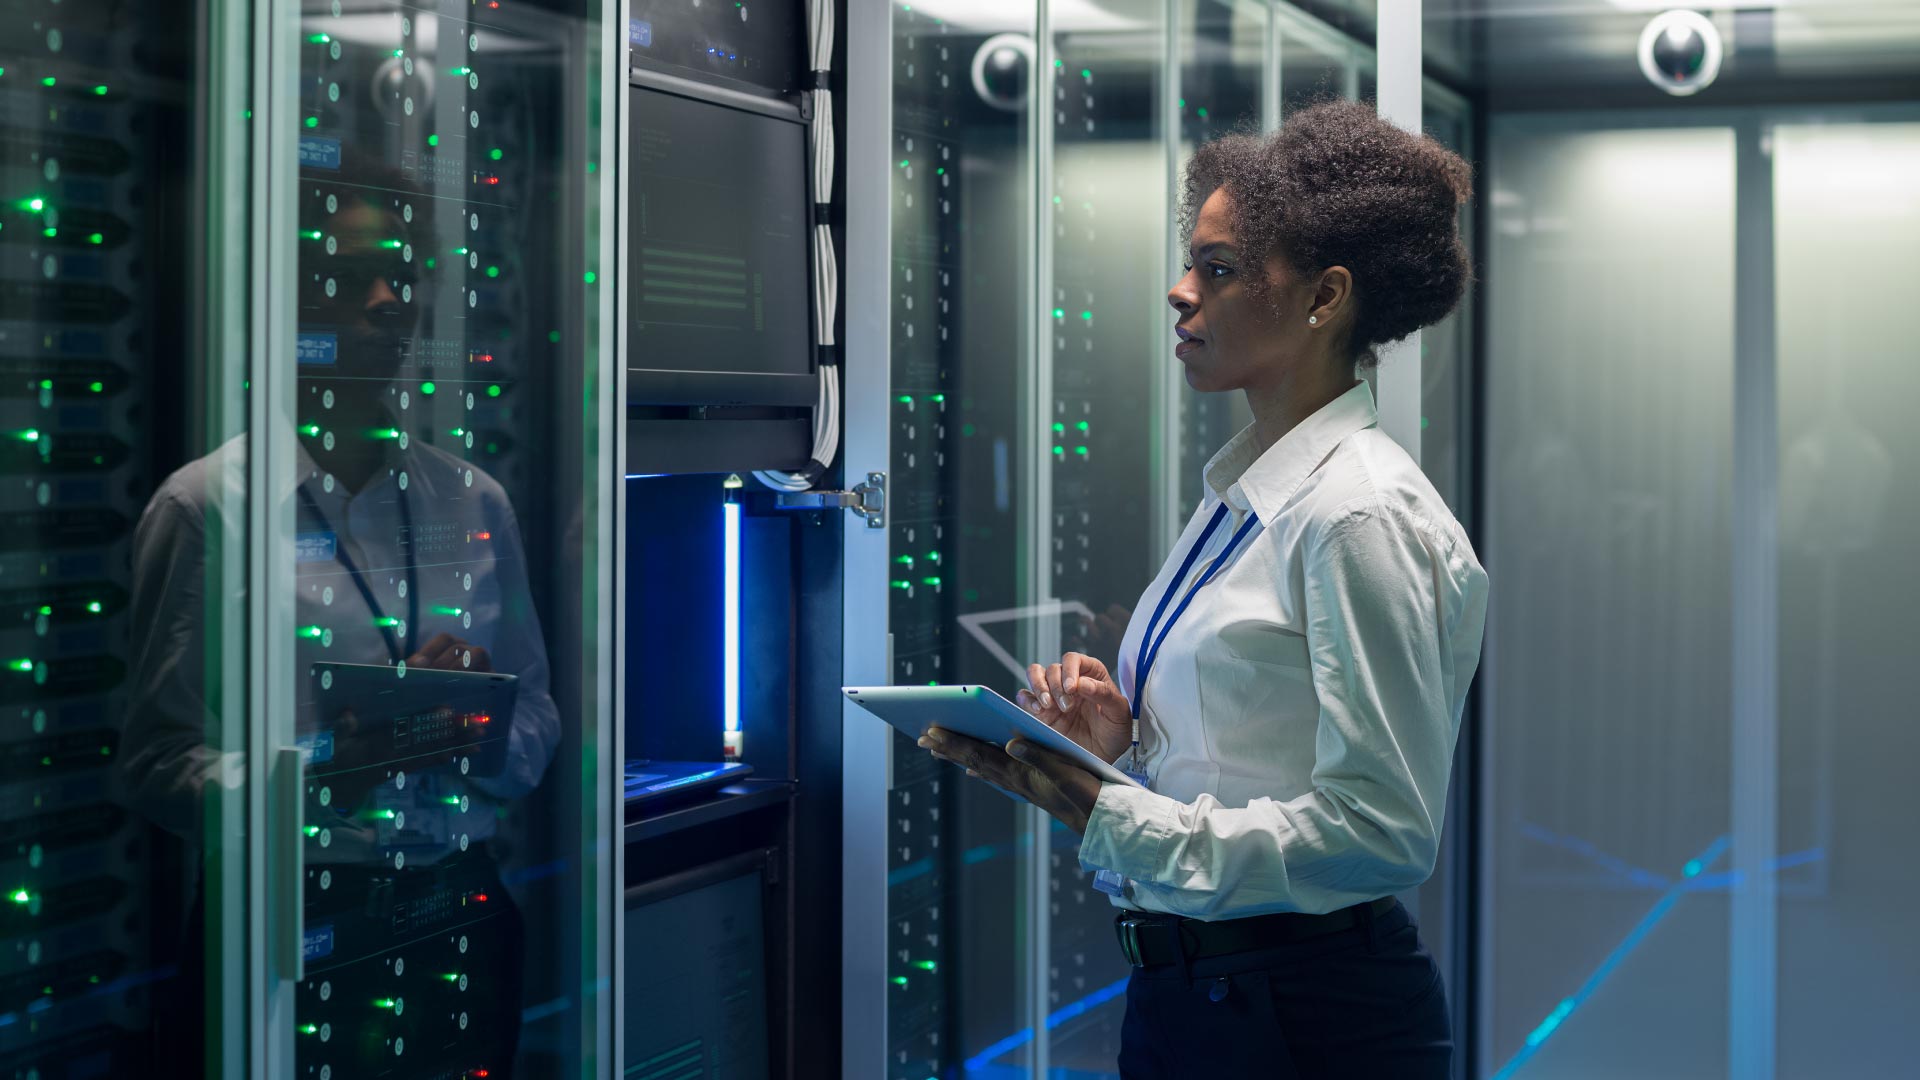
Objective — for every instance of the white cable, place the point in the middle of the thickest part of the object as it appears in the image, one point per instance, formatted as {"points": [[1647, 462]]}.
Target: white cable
{"points": [[826, 289]]}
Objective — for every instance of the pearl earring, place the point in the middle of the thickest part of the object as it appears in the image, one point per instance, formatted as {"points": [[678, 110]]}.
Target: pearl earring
{"points": [[1313, 320]]}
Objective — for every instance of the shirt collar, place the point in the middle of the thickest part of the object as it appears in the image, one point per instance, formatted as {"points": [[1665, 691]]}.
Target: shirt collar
{"points": [[1247, 479]]}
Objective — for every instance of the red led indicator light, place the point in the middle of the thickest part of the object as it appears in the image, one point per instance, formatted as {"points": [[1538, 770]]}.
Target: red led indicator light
{"points": [[480, 897]]}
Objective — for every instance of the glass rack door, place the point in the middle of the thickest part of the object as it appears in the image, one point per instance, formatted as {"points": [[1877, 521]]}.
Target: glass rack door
{"points": [[124, 149], [437, 490]]}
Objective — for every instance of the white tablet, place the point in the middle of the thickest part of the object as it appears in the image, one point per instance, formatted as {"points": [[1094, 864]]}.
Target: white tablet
{"points": [[977, 712]]}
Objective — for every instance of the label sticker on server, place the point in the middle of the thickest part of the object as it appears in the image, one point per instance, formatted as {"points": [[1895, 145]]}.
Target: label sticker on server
{"points": [[317, 942], [319, 152], [315, 547], [314, 347], [640, 33]]}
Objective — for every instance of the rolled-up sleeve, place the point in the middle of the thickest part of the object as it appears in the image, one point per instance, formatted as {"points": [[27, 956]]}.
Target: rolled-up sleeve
{"points": [[1375, 590]]}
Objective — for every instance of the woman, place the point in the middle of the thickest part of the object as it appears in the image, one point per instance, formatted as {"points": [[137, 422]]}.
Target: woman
{"points": [[1290, 686]]}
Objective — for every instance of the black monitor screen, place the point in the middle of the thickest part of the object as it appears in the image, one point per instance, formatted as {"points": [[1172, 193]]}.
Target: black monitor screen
{"points": [[696, 980], [717, 271]]}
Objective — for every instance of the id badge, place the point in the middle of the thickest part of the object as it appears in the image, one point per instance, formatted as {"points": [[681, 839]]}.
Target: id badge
{"points": [[1107, 881]]}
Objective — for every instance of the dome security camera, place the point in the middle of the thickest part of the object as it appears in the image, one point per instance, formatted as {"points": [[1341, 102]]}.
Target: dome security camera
{"points": [[1680, 52], [1003, 71]]}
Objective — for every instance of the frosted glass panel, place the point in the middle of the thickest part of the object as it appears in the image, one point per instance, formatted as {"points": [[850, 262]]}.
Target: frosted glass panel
{"points": [[1609, 428], [1847, 251]]}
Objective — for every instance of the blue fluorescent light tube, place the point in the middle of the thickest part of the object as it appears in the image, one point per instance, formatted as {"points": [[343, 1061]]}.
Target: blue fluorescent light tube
{"points": [[731, 646]]}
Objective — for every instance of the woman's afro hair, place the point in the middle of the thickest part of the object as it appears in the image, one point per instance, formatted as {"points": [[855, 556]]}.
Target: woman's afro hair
{"points": [[1338, 186]]}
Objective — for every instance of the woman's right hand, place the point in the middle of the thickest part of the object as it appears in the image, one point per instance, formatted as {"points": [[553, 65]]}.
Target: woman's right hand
{"points": [[1079, 698]]}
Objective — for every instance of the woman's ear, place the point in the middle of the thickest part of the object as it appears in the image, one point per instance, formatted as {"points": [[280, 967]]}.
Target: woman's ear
{"points": [[1332, 297]]}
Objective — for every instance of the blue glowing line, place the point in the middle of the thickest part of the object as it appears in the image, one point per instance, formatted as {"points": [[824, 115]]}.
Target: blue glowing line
{"points": [[984, 1059], [979, 855], [731, 676], [1620, 952], [903, 874]]}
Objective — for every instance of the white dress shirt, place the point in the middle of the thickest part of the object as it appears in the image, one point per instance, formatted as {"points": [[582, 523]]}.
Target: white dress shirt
{"points": [[1298, 724], [466, 557]]}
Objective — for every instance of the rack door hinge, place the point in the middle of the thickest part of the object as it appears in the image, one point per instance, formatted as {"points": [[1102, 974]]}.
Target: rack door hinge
{"points": [[869, 500]]}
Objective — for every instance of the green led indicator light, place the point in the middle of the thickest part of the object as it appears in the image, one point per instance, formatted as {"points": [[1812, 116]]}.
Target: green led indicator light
{"points": [[310, 234], [1087, 315], [904, 560], [1059, 313], [901, 584], [1086, 73], [100, 90], [49, 81], [906, 399], [428, 388], [318, 39], [941, 171], [22, 896], [311, 830], [553, 336], [966, 429], [433, 140], [308, 1029], [494, 153], [494, 390], [310, 631], [452, 976], [493, 271], [589, 277], [934, 581], [1057, 62], [21, 665], [445, 610], [1203, 112], [28, 435], [46, 384], [96, 238], [904, 163], [1059, 451], [1059, 428], [456, 433], [391, 245], [386, 620], [429, 263], [933, 556], [46, 609], [899, 980], [1081, 450], [398, 53], [35, 204], [309, 429], [384, 433], [97, 387], [1183, 103], [1082, 426], [927, 965], [385, 814], [939, 398], [95, 607], [313, 121], [50, 232]]}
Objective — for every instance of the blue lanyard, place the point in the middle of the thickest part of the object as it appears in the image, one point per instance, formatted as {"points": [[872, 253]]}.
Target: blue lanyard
{"points": [[366, 593], [1150, 644]]}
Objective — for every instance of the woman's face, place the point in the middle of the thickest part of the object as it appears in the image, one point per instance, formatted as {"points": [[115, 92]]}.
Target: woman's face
{"points": [[1230, 340]]}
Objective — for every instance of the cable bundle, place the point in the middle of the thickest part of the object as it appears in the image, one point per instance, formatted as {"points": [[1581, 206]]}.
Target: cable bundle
{"points": [[826, 298]]}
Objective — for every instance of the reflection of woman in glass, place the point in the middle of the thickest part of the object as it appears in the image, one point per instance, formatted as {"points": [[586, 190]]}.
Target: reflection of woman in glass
{"points": [[404, 554], [1291, 684]]}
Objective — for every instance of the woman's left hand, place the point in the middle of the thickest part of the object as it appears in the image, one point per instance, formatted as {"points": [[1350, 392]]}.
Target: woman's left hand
{"points": [[1026, 769]]}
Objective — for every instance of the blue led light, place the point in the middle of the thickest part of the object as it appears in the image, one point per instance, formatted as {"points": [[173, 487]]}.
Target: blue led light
{"points": [[984, 1059], [731, 674]]}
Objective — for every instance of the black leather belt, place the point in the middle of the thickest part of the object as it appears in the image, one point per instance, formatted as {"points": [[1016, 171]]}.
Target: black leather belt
{"points": [[1149, 940]]}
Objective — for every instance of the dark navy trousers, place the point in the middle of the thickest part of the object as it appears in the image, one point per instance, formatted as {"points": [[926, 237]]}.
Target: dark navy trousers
{"points": [[1365, 1002]]}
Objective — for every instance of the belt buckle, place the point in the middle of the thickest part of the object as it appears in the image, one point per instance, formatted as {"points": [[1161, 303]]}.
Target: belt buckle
{"points": [[1129, 926]]}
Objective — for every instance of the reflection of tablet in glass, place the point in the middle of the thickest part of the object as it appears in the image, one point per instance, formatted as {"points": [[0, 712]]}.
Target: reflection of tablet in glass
{"points": [[974, 711], [423, 716]]}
